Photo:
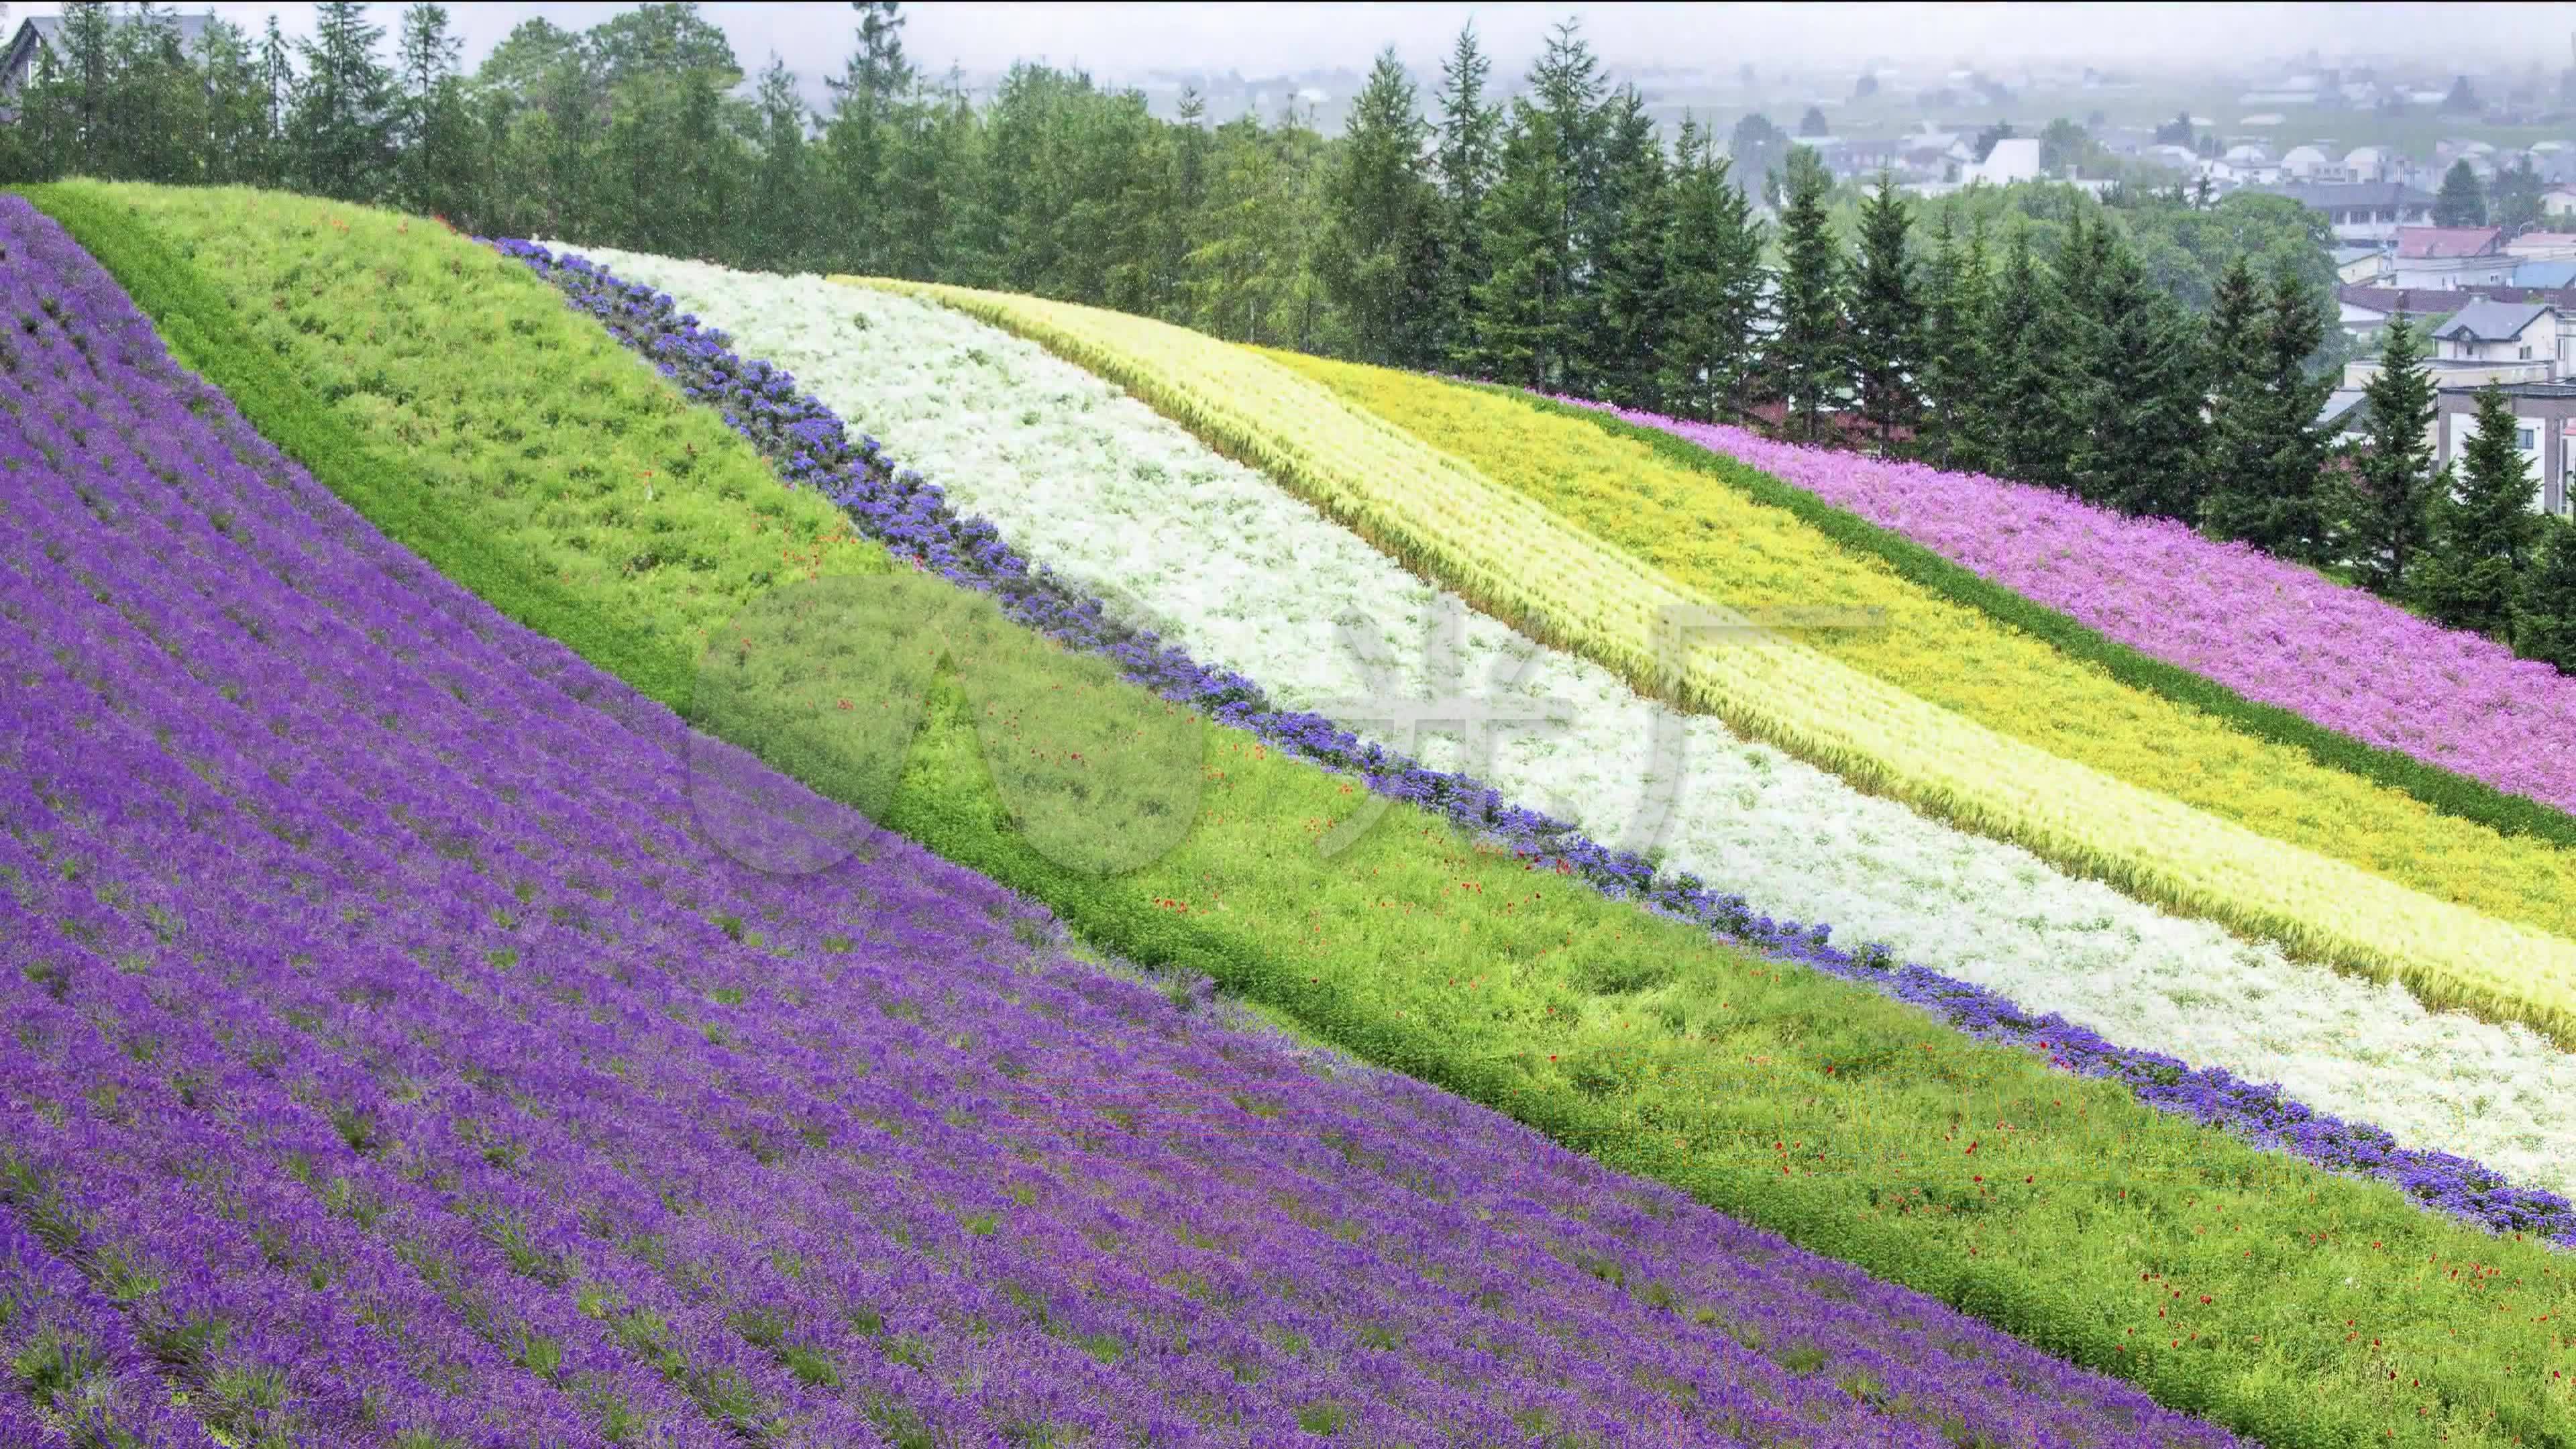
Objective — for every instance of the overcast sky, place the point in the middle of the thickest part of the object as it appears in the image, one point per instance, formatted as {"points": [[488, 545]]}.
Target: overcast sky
{"points": [[1269, 39]]}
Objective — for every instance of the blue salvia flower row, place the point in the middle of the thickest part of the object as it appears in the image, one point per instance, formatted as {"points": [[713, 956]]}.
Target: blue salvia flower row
{"points": [[386, 1059], [909, 514]]}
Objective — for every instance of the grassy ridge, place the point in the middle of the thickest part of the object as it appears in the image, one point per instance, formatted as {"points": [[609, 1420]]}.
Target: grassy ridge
{"points": [[1510, 555], [2446, 791], [1625, 1035]]}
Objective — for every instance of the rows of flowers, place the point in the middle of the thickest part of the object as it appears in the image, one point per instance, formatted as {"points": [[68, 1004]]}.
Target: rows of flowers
{"points": [[516, 1114], [1510, 556], [914, 516], [1130, 508], [2271, 630]]}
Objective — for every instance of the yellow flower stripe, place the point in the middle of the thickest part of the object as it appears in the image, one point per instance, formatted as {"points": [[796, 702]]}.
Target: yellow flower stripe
{"points": [[1716, 540], [1512, 557]]}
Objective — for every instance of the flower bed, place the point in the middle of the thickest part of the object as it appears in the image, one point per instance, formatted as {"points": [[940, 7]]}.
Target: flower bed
{"points": [[2271, 630], [520, 1114], [1128, 507]]}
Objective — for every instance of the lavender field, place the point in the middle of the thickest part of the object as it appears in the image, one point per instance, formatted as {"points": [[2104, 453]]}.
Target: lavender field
{"points": [[391, 1062]]}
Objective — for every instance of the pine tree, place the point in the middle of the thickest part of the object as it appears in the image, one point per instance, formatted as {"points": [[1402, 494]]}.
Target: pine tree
{"points": [[1522, 315], [1465, 161], [2268, 488], [1379, 202], [1958, 302], [2544, 622], [2025, 405], [2140, 447], [1625, 348], [66, 114], [340, 132], [153, 131], [2483, 530], [1715, 271], [434, 170], [2393, 479], [1886, 323], [858, 142], [1809, 360], [2462, 201], [779, 224], [1566, 86], [236, 124]]}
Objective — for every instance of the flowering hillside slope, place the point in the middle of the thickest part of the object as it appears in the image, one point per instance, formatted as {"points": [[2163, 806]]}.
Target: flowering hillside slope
{"points": [[1520, 550], [1462, 940], [2272, 630], [393, 1061], [1136, 510]]}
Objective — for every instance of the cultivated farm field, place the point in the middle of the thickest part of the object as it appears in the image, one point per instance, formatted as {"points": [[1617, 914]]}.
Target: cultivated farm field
{"points": [[408, 1051]]}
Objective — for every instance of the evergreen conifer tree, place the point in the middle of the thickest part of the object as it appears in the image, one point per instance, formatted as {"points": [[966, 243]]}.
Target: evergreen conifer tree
{"points": [[1469, 129], [340, 131], [1635, 313], [1522, 315], [2483, 530], [2393, 484], [1886, 317], [2544, 623], [2025, 405], [2139, 448], [1958, 297], [1808, 361], [1379, 204], [2267, 486], [1715, 270], [2462, 201]]}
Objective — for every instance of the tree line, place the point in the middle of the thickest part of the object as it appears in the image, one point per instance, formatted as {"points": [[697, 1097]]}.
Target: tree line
{"points": [[2153, 352]]}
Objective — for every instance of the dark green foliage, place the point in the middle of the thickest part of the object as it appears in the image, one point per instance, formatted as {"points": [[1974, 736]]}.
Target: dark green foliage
{"points": [[1715, 273], [1886, 317], [1465, 158], [1636, 310], [1381, 210], [1958, 298], [2141, 440], [2266, 479], [2462, 201], [340, 132], [2484, 529], [2393, 481], [1809, 357], [2026, 404], [2544, 624]]}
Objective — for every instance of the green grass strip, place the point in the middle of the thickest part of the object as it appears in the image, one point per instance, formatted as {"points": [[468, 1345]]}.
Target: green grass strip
{"points": [[204, 334], [2445, 791], [2058, 1208]]}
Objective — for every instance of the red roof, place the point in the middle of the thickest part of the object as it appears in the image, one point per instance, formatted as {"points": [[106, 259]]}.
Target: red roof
{"points": [[2543, 239], [2447, 241]]}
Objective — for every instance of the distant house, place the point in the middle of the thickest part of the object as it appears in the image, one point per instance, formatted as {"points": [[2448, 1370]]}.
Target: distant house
{"points": [[2367, 164], [2015, 158], [2486, 331], [2558, 201], [37, 36], [2542, 246], [2544, 432], [2360, 211], [2451, 257], [2362, 265]]}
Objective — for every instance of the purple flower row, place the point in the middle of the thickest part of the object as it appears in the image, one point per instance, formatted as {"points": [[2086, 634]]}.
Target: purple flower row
{"points": [[909, 514], [387, 1050], [2272, 631]]}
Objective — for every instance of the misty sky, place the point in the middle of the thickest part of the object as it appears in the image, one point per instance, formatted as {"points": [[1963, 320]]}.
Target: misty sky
{"points": [[1117, 41]]}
